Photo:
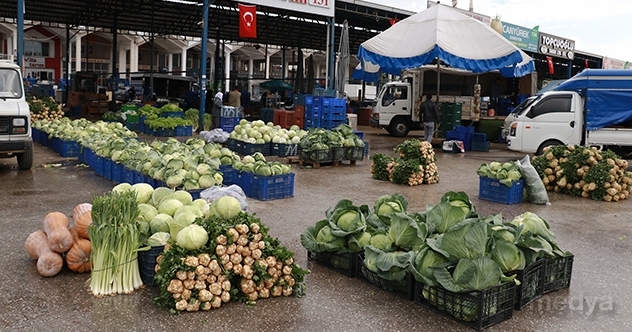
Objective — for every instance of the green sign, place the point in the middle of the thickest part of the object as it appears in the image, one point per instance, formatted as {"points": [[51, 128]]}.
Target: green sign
{"points": [[524, 38]]}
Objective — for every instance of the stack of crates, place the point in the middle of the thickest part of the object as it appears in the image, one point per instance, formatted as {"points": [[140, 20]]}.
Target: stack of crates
{"points": [[299, 115], [334, 112], [450, 114], [312, 111], [266, 115], [480, 142], [283, 118], [463, 134]]}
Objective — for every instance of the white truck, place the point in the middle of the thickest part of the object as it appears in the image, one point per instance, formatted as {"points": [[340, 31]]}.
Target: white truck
{"points": [[15, 117], [395, 108], [593, 108]]}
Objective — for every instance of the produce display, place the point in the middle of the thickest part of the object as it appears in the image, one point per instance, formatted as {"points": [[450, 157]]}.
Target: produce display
{"points": [[82, 130], [225, 256], [586, 172], [58, 241], [193, 115], [414, 164], [449, 245], [257, 164], [44, 108], [506, 173], [166, 123], [339, 143], [258, 132]]}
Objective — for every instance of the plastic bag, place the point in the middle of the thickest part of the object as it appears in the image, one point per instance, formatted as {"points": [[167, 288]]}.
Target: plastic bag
{"points": [[535, 188], [215, 136], [215, 192]]}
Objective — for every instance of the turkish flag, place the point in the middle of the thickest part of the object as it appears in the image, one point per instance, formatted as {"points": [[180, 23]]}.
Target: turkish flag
{"points": [[247, 21], [550, 61], [585, 63], [392, 21]]}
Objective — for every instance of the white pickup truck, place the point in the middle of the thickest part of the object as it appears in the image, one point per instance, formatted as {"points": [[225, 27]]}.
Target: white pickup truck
{"points": [[593, 108], [15, 117]]}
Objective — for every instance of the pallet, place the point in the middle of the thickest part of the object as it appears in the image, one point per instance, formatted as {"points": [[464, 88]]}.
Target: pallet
{"points": [[317, 165], [292, 159]]}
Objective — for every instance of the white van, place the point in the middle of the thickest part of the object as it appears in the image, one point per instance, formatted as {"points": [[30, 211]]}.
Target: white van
{"points": [[15, 117]]}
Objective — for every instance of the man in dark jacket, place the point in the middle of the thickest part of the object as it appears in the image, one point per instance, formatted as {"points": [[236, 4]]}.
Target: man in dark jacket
{"points": [[430, 117]]}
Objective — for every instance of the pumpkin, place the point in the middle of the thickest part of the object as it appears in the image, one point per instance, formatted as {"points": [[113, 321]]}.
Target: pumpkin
{"points": [[82, 215], [78, 257], [49, 263], [56, 228]]}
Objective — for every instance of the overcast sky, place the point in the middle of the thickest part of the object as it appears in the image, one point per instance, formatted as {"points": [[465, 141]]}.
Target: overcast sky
{"points": [[602, 27]]}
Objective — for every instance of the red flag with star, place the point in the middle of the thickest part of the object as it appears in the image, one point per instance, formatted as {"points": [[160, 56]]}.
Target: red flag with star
{"points": [[247, 21]]}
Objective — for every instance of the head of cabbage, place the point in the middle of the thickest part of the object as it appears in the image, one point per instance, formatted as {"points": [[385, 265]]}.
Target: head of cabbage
{"points": [[192, 237]]}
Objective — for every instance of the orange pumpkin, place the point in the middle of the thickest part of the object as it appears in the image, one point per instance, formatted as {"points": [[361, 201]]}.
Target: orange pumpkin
{"points": [[78, 257], [82, 215], [49, 263], [56, 228]]}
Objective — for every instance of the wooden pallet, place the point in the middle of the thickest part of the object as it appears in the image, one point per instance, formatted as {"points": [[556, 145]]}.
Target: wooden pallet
{"points": [[292, 159], [317, 165]]}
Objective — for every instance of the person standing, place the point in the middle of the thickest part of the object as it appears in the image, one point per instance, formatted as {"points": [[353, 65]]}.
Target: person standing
{"points": [[234, 98], [494, 94], [217, 109], [430, 118]]}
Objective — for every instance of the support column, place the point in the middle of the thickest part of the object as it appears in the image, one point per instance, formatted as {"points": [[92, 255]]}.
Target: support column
{"points": [[267, 64], [20, 34], [122, 62], [331, 54], [170, 62], [78, 52], [227, 71], [251, 71], [115, 70], [183, 62], [133, 57]]}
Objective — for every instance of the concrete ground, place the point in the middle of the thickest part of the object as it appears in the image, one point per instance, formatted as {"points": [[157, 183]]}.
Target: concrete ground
{"points": [[598, 233]]}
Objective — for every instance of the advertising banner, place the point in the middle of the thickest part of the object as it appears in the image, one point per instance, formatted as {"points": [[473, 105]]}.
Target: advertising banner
{"points": [[524, 38], [318, 7], [610, 63], [556, 46]]}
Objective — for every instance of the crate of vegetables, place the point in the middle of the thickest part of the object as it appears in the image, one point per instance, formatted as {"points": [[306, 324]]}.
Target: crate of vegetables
{"points": [[316, 155], [272, 187], [493, 190], [284, 150], [479, 309], [557, 273], [147, 264], [531, 286], [342, 263], [251, 148], [402, 288]]}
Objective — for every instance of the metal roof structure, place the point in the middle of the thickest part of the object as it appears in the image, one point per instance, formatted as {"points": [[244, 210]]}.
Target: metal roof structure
{"points": [[275, 26]]}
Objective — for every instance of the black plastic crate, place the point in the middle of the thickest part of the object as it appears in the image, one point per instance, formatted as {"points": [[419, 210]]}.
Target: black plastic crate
{"points": [[477, 310], [284, 150], [338, 154], [557, 273], [251, 148], [531, 284], [354, 153], [317, 156], [341, 263], [147, 264], [404, 289]]}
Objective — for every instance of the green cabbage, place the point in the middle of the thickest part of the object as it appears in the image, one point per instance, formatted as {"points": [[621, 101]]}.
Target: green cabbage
{"points": [[146, 212], [169, 206], [160, 223], [143, 192], [382, 242], [318, 238], [192, 237], [508, 256], [158, 239], [425, 262], [356, 242], [226, 207], [406, 233]]}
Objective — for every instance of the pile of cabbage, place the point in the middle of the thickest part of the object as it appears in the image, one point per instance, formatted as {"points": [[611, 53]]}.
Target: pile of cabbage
{"points": [[258, 132], [225, 255], [318, 139], [82, 129], [257, 164], [507, 173], [448, 245]]}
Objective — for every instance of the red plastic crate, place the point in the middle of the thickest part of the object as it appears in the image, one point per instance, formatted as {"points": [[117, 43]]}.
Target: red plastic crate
{"points": [[280, 117]]}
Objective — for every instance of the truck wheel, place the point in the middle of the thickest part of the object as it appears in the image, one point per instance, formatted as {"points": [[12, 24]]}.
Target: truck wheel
{"points": [[25, 159], [399, 127], [545, 145]]}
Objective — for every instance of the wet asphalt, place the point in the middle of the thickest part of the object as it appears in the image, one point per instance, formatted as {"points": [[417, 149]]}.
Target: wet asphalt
{"points": [[598, 233]]}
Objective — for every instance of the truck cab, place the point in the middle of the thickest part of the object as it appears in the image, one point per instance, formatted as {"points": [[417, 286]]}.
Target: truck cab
{"points": [[394, 108], [15, 117]]}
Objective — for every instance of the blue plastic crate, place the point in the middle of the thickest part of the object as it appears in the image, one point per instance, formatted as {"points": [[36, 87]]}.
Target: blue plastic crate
{"points": [[107, 168], [331, 124], [69, 148], [128, 175], [309, 100], [229, 174], [139, 177], [479, 137], [266, 188], [223, 121], [360, 134], [81, 156], [133, 126], [334, 115], [35, 133], [45, 141], [480, 146], [460, 136], [231, 143], [298, 99], [340, 102], [244, 181], [87, 156], [117, 172], [250, 148], [228, 128], [98, 165], [284, 150], [184, 130], [164, 132], [195, 193], [492, 190]]}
